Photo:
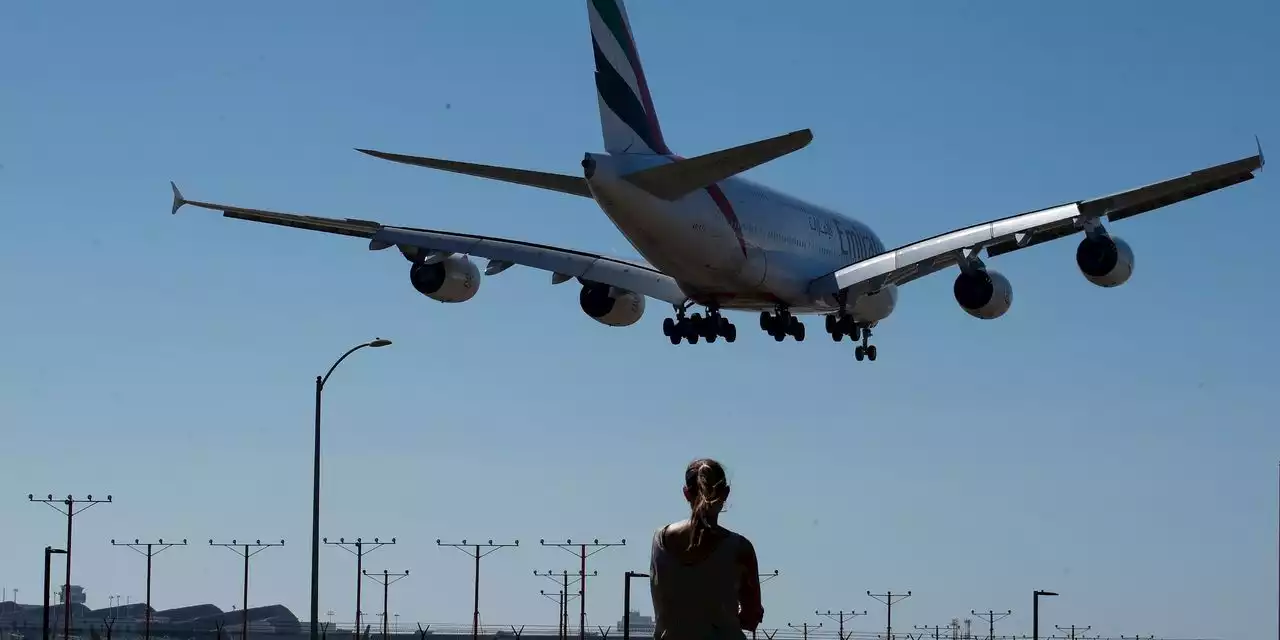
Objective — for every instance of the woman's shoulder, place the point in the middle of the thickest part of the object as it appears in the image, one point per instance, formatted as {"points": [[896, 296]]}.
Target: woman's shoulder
{"points": [[665, 534]]}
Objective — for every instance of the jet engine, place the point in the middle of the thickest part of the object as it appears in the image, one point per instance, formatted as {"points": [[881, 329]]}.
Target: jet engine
{"points": [[610, 305], [453, 279], [1106, 261], [983, 293]]}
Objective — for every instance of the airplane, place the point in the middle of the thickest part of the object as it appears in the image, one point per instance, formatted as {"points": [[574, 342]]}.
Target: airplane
{"points": [[711, 238]]}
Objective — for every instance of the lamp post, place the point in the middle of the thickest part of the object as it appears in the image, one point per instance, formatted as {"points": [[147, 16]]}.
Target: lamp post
{"points": [[1035, 611], [315, 491], [626, 602], [48, 553]]}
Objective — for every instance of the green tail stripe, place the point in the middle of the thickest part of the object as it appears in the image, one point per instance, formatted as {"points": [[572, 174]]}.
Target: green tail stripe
{"points": [[612, 16]]}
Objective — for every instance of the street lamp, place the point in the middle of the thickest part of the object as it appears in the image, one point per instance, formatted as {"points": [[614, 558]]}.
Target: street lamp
{"points": [[48, 553], [315, 491], [1035, 611], [626, 602]]}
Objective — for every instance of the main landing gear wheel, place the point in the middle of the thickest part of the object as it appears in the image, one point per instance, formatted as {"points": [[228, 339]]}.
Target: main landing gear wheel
{"points": [[840, 326], [782, 324], [865, 350], [696, 327]]}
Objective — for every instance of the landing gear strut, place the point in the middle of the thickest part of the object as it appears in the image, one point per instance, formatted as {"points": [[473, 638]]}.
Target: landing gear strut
{"points": [[865, 350], [781, 324], [839, 326], [696, 326]]}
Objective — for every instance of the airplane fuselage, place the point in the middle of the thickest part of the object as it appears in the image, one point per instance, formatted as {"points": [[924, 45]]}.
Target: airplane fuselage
{"points": [[737, 243]]}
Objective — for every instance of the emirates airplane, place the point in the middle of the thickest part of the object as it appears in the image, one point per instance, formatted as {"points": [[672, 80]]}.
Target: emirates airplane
{"points": [[716, 240]]}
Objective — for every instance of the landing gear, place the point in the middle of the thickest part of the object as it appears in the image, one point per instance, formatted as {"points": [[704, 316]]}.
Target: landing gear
{"points": [[839, 326], [865, 350], [782, 324], [696, 326]]}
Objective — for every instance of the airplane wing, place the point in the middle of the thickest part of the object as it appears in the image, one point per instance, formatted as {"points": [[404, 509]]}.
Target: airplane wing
{"points": [[564, 264], [1005, 235]]}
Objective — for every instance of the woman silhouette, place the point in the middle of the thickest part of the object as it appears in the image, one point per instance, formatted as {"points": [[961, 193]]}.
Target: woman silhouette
{"points": [[704, 578]]}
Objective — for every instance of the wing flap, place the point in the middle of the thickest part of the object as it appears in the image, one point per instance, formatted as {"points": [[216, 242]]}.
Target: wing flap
{"points": [[1127, 204], [1005, 235], [630, 275], [611, 271]]}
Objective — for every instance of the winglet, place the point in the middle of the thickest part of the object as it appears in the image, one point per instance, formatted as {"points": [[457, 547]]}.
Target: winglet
{"points": [[178, 200], [1262, 160]]}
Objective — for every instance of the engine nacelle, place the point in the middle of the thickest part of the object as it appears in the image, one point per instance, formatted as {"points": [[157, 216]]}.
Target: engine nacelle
{"points": [[453, 279], [983, 293], [873, 307], [1105, 261], [610, 305]]}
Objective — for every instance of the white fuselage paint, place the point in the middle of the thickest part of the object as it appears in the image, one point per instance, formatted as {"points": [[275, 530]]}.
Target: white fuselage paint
{"points": [[789, 242]]}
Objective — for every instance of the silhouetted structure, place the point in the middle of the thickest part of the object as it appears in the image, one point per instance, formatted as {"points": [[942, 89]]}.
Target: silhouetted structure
{"points": [[70, 512], [582, 554], [473, 550], [246, 550]]}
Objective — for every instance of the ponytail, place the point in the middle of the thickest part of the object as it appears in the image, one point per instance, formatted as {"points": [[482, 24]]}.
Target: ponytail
{"points": [[707, 486]]}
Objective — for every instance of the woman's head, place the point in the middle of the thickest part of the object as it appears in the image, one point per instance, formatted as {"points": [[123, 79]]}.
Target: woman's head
{"points": [[706, 488]]}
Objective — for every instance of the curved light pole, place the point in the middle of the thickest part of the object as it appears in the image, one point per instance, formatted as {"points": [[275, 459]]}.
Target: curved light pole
{"points": [[315, 490]]}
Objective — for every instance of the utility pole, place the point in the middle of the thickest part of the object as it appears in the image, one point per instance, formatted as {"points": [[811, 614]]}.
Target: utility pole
{"points": [[473, 549], [887, 599], [936, 629], [991, 619], [386, 579], [581, 552], [1072, 630], [67, 507], [562, 580], [359, 549], [804, 628], [246, 550], [841, 617], [150, 552]]}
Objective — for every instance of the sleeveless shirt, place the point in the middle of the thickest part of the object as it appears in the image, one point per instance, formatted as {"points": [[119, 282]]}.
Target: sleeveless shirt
{"points": [[696, 601]]}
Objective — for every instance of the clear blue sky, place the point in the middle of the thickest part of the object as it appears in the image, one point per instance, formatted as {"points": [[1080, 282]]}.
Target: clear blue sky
{"points": [[1118, 446]]}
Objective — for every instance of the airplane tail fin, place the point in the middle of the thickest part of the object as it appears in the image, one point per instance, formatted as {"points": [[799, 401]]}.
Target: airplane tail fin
{"points": [[627, 117]]}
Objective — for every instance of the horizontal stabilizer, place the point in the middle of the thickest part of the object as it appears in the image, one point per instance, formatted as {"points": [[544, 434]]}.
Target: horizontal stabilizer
{"points": [[682, 177], [572, 185]]}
